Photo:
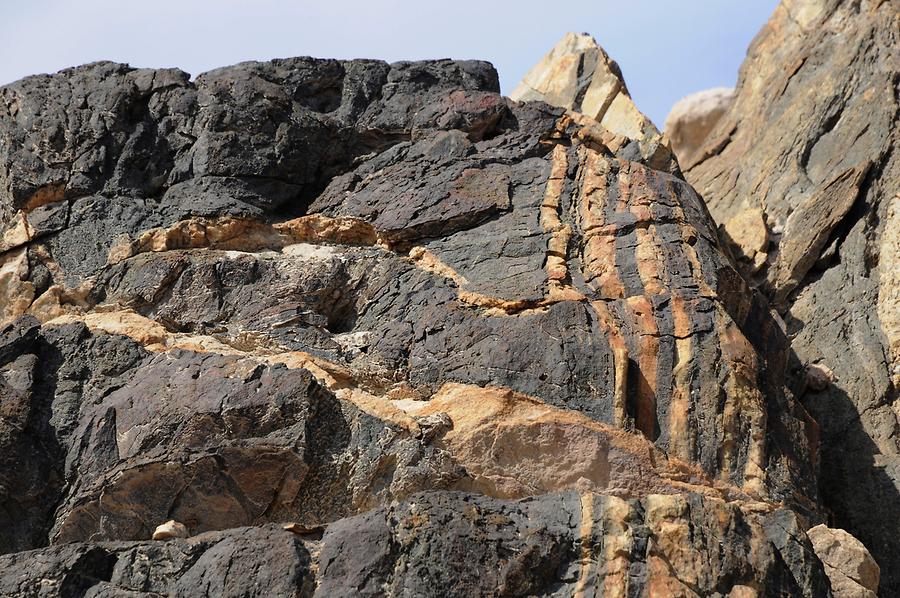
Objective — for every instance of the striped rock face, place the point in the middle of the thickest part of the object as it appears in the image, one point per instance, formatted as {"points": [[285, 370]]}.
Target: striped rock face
{"points": [[405, 314]]}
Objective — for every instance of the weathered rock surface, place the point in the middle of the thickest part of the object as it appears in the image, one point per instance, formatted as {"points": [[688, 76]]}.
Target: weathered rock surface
{"points": [[463, 345], [811, 144], [850, 568], [455, 544], [693, 118], [577, 74]]}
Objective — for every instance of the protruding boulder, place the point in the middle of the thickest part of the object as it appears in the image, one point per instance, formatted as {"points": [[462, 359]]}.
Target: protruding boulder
{"points": [[170, 529], [748, 234], [850, 568], [692, 119]]}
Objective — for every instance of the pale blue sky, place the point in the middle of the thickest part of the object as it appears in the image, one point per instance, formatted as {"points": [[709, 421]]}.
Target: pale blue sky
{"points": [[666, 49]]}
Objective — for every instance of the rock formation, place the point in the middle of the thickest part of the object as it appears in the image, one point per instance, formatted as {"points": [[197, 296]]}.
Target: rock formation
{"points": [[850, 568], [374, 329], [693, 118], [808, 153], [577, 74]]}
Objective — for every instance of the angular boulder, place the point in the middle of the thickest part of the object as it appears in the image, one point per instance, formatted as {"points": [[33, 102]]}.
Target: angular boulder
{"points": [[849, 566], [692, 119]]}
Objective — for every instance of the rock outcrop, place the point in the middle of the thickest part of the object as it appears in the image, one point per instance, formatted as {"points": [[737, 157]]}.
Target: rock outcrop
{"points": [[455, 544], [693, 118], [850, 568], [809, 151], [349, 328]]}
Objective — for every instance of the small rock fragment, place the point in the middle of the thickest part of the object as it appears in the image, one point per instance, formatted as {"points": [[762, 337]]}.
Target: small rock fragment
{"points": [[170, 529], [748, 233], [434, 425], [303, 530]]}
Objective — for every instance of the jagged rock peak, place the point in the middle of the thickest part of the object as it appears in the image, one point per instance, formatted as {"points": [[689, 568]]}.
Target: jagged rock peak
{"points": [[578, 75]]}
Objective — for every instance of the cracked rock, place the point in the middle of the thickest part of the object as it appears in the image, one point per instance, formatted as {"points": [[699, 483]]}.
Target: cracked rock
{"points": [[369, 328]]}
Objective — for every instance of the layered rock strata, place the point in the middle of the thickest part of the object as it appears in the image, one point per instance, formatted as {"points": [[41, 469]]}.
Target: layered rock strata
{"points": [[375, 329]]}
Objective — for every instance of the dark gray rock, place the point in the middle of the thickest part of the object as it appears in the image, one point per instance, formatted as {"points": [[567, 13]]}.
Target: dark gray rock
{"points": [[262, 561], [275, 131], [450, 544]]}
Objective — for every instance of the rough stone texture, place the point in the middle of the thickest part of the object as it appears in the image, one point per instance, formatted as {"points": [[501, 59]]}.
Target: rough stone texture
{"points": [[693, 118], [577, 74], [849, 566], [257, 562], [811, 142], [455, 544], [264, 135], [455, 344]]}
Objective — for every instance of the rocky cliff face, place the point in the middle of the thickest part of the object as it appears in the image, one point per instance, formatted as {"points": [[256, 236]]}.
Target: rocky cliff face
{"points": [[371, 329], [808, 155]]}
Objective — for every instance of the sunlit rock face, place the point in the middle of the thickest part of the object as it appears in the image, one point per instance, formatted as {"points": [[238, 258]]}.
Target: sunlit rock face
{"points": [[693, 118], [577, 74], [810, 147], [357, 328]]}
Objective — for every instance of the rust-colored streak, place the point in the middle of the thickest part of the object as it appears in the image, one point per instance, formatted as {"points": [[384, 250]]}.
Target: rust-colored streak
{"points": [[46, 195], [599, 259], [642, 389], [560, 234], [649, 259], [246, 235], [585, 534], [648, 252], [682, 435], [689, 238], [620, 361], [744, 416]]}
